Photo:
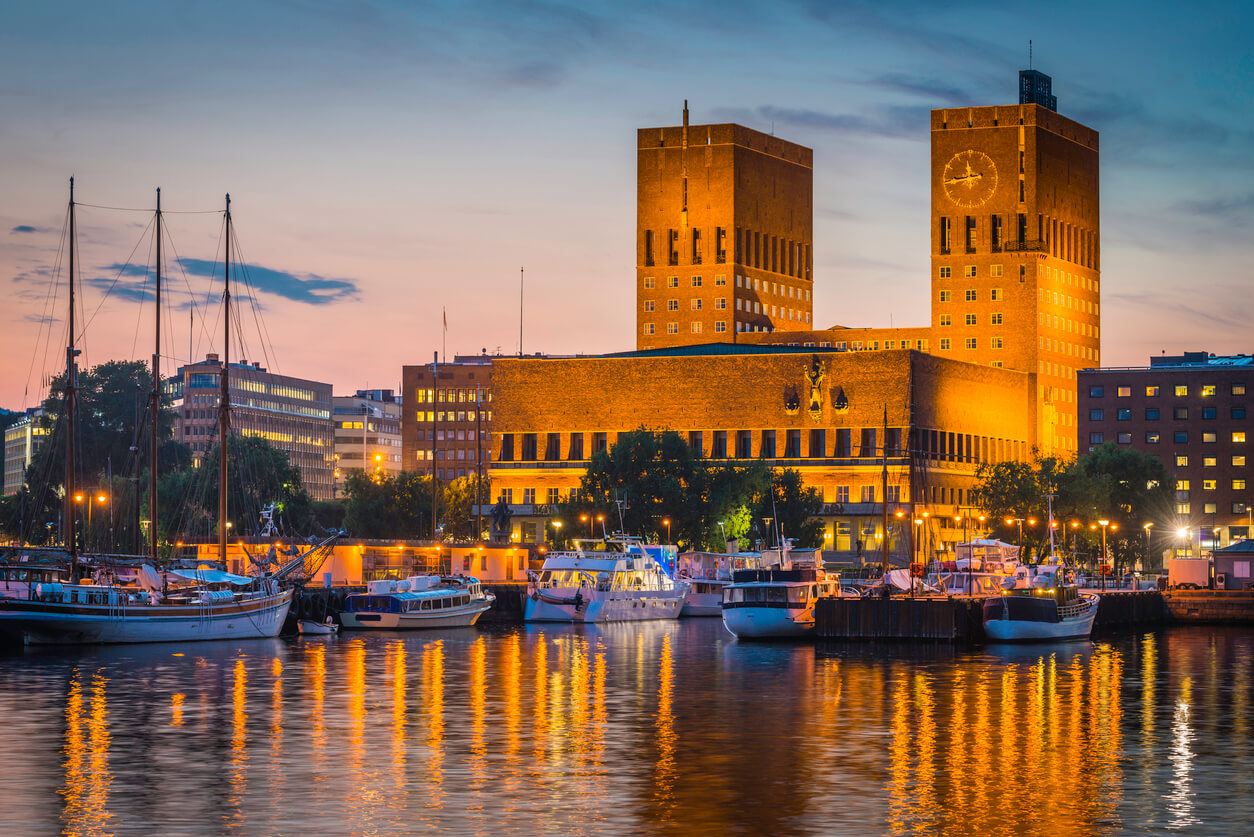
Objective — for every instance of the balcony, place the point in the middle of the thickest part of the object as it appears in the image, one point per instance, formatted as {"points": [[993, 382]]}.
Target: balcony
{"points": [[1025, 246]]}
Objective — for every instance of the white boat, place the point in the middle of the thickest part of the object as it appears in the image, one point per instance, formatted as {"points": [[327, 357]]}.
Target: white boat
{"points": [[423, 601], [1039, 604], [309, 627], [708, 573], [777, 602], [184, 605], [614, 580]]}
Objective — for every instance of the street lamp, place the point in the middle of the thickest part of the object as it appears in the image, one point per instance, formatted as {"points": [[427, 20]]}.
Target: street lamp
{"points": [[1103, 524], [1147, 528], [557, 526], [666, 521], [601, 520], [583, 518]]}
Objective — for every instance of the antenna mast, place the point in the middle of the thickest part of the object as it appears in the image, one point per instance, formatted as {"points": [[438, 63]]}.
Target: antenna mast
{"points": [[520, 310]]}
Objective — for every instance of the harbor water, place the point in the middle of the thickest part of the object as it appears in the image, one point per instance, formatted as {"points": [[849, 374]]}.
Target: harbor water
{"points": [[652, 728]]}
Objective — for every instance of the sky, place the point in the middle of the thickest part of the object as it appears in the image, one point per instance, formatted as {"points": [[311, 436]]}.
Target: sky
{"points": [[392, 163]]}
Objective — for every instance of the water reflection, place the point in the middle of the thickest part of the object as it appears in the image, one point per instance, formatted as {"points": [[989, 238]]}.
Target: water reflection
{"points": [[667, 729]]}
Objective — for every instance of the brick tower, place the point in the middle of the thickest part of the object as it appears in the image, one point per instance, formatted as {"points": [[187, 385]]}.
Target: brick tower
{"points": [[724, 232], [1016, 247]]}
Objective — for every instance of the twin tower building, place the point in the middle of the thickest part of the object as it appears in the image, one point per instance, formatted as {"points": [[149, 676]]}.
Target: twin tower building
{"points": [[729, 354]]}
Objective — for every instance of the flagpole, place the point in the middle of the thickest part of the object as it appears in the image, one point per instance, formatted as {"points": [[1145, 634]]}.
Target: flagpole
{"points": [[444, 337]]}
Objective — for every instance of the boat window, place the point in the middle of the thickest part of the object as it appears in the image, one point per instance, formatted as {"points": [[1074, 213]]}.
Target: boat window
{"points": [[798, 594], [426, 604], [777, 594]]}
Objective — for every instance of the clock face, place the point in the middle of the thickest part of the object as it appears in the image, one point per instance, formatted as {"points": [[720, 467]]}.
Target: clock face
{"points": [[970, 178]]}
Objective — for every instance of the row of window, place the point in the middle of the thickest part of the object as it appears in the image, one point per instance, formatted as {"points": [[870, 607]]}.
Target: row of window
{"points": [[1177, 413], [972, 295], [1212, 508], [720, 326], [1208, 485], [458, 453], [1179, 437], [459, 395], [1180, 390], [453, 435], [460, 415], [1182, 461], [551, 496], [1058, 238], [971, 319], [972, 343], [720, 281]]}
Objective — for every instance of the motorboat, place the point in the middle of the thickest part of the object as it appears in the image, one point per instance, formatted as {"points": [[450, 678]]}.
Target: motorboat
{"points": [[309, 627], [422, 601], [611, 580], [1039, 604], [777, 602], [708, 573]]}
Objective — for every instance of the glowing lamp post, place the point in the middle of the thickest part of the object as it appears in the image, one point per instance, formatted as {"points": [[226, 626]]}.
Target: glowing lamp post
{"points": [[666, 521]]}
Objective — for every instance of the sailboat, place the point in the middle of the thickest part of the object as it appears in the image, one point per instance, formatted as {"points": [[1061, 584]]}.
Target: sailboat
{"points": [[89, 605]]}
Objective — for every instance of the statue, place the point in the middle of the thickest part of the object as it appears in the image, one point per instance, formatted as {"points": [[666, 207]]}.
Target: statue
{"points": [[815, 375], [501, 515]]}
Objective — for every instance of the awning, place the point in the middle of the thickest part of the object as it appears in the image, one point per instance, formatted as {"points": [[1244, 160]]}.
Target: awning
{"points": [[213, 577]]}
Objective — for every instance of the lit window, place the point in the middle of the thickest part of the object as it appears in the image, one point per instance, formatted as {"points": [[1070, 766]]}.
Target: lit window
{"points": [[1182, 390], [1151, 437], [1182, 485], [1210, 508], [1151, 391], [945, 272], [1208, 485], [1238, 485], [696, 328], [1182, 461], [1123, 392], [1238, 461], [1238, 389], [696, 305], [1210, 438], [944, 344], [1182, 508], [969, 271], [1207, 390], [1180, 413], [995, 271], [996, 295], [1238, 436], [1209, 461], [971, 295]]}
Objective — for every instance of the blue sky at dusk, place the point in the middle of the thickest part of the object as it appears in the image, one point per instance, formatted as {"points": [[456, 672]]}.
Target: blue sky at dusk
{"points": [[388, 160]]}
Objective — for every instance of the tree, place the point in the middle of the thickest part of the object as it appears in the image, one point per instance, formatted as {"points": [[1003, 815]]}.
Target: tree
{"points": [[793, 508], [459, 519], [1138, 490], [390, 506]]}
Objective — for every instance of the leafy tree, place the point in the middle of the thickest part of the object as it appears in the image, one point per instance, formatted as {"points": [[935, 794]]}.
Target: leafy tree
{"points": [[793, 508], [388, 507], [1138, 490], [459, 499]]}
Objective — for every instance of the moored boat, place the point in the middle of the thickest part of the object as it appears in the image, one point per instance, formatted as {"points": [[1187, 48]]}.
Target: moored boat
{"points": [[777, 602], [424, 601], [708, 573], [1039, 604], [615, 580]]}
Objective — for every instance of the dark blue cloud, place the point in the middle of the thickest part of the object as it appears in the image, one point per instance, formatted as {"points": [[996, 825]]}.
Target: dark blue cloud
{"points": [[24, 228], [309, 288], [1232, 208], [897, 122]]}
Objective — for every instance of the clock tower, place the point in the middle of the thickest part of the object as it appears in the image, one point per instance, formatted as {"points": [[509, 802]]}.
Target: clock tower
{"points": [[1015, 246]]}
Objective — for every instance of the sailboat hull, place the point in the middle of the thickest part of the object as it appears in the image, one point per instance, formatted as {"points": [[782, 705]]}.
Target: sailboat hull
{"points": [[45, 623]]}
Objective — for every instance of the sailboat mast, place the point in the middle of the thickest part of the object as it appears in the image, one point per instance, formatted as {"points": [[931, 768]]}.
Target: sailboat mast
{"points": [[71, 398], [884, 478], [224, 399], [155, 406]]}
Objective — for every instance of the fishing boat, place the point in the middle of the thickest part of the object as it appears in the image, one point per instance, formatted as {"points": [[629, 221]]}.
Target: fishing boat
{"points": [[92, 605], [1040, 603], [777, 602], [611, 580], [423, 601], [708, 573]]}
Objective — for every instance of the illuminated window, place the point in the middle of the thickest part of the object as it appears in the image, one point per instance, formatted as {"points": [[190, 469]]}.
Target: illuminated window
{"points": [[1151, 391], [720, 303], [969, 271], [1238, 436], [995, 295], [1208, 485], [1182, 390], [995, 272], [1151, 437], [1210, 438], [944, 344], [1180, 413], [696, 305], [1210, 508], [1123, 392], [1238, 485], [995, 319], [946, 296], [1209, 461], [1238, 389], [696, 328], [1238, 461], [946, 319], [970, 295], [1207, 390], [945, 272], [1182, 461], [1182, 508]]}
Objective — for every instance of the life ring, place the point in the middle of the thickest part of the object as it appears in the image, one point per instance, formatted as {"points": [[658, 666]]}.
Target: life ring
{"points": [[710, 573]]}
